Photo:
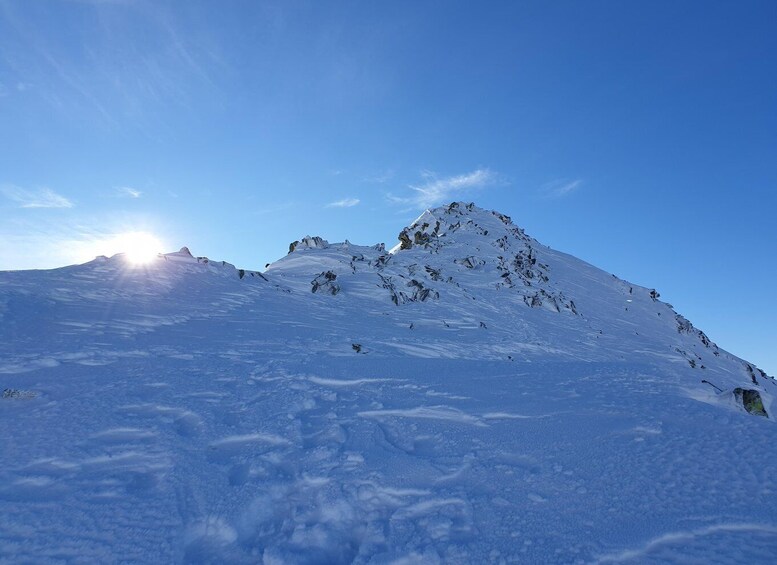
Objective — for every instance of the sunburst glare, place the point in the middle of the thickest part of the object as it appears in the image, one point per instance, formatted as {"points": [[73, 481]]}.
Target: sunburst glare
{"points": [[138, 247]]}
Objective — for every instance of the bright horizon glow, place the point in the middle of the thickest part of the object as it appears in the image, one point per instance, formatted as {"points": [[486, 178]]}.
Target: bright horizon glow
{"points": [[139, 248]]}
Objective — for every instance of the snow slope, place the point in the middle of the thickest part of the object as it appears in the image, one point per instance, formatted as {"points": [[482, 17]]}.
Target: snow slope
{"points": [[471, 396]]}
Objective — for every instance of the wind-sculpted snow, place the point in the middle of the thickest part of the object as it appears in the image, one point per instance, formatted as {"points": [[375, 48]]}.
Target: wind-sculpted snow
{"points": [[428, 411]]}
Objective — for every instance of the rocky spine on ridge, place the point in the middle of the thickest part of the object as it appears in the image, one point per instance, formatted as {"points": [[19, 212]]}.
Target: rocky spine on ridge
{"points": [[308, 242]]}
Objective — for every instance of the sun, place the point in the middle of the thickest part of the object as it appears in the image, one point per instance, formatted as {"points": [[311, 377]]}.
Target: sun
{"points": [[139, 248]]}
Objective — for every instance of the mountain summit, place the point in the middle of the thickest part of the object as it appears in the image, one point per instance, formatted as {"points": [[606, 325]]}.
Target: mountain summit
{"points": [[474, 268], [469, 396]]}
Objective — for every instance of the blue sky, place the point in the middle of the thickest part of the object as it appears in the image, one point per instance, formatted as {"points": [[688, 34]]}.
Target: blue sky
{"points": [[641, 137]]}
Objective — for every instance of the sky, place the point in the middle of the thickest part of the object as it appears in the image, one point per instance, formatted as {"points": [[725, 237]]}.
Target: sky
{"points": [[640, 137]]}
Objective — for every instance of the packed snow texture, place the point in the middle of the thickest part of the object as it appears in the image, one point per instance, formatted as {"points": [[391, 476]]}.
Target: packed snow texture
{"points": [[471, 396]]}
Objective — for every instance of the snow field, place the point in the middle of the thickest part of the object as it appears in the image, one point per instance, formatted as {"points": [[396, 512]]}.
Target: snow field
{"points": [[181, 413]]}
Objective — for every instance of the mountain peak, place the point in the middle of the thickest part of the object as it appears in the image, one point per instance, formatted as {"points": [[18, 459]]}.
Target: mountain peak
{"points": [[437, 226]]}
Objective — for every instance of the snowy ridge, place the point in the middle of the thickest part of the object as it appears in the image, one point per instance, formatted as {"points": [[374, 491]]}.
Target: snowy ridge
{"points": [[461, 254], [470, 396]]}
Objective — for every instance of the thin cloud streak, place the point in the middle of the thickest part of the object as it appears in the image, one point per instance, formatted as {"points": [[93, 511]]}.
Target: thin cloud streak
{"points": [[381, 178], [437, 190], [128, 191], [561, 187], [344, 203], [40, 198]]}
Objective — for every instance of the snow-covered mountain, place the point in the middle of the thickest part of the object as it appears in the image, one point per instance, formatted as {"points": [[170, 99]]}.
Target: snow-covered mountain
{"points": [[469, 396]]}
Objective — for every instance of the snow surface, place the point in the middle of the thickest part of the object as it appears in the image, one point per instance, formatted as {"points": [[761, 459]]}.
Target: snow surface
{"points": [[474, 398]]}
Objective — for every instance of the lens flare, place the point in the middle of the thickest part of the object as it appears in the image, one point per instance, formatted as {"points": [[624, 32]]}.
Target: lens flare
{"points": [[139, 248]]}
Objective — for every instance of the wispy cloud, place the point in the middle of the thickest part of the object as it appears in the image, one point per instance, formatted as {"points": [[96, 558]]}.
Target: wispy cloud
{"points": [[110, 78], [381, 178], [436, 190], [275, 209], [560, 187], [344, 203], [38, 198], [128, 191]]}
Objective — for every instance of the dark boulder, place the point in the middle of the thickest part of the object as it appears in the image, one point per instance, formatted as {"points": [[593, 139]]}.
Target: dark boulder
{"points": [[751, 400]]}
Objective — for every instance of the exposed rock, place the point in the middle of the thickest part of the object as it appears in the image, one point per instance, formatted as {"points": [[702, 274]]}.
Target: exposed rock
{"points": [[404, 240], [751, 401], [751, 373], [18, 394], [420, 237], [712, 385], [683, 325], [506, 220], [388, 284], [525, 265], [552, 302], [326, 283], [381, 261], [308, 242], [434, 274], [470, 262], [419, 292]]}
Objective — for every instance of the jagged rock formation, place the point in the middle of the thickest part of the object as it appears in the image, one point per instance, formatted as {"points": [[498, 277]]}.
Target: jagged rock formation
{"points": [[308, 242], [326, 283], [417, 292]]}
